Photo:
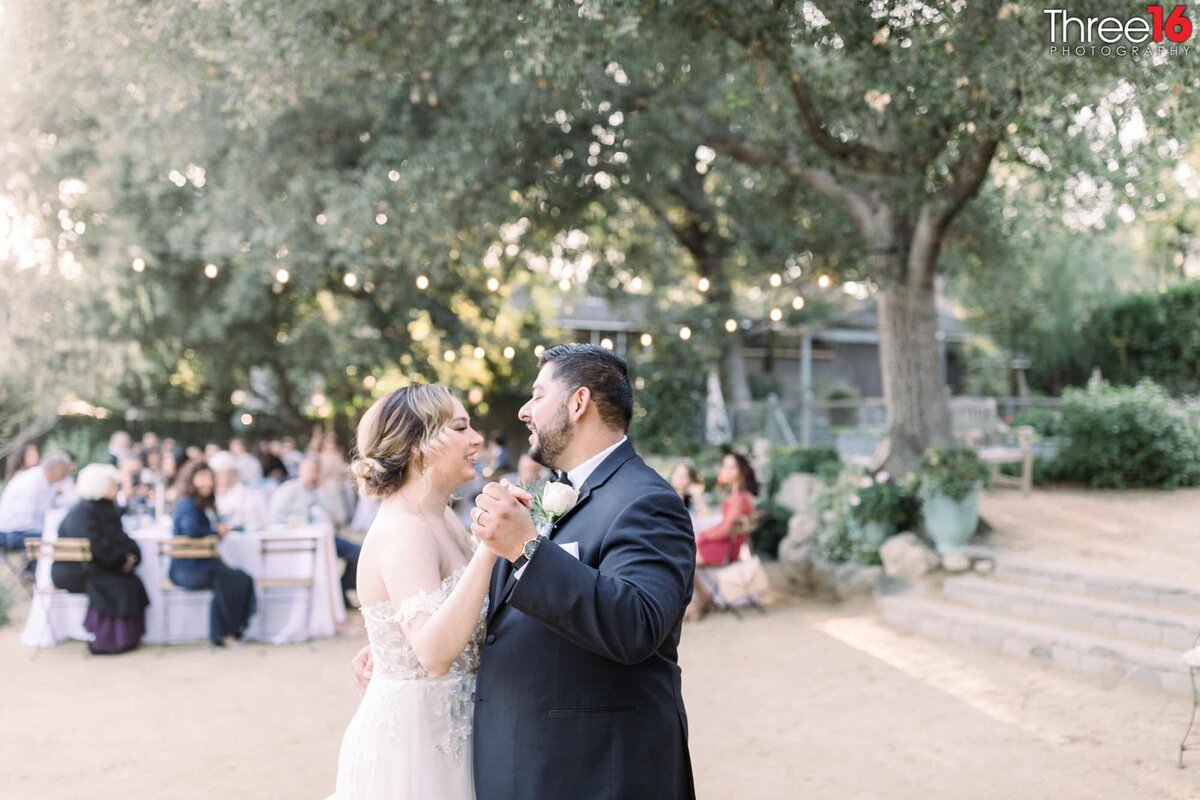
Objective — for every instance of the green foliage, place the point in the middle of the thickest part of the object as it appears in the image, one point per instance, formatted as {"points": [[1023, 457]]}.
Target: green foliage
{"points": [[883, 500], [1150, 335], [839, 537], [787, 461], [952, 472], [845, 413], [669, 399], [772, 527], [1045, 420], [1127, 437]]}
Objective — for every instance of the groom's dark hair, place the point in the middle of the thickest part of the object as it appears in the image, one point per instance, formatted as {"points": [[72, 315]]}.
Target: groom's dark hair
{"points": [[602, 371]]}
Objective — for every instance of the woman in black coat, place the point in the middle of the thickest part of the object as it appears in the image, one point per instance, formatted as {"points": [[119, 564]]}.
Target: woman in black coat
{"points": [[117, 599]]}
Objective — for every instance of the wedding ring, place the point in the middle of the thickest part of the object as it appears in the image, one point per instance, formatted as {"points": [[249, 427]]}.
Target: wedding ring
{"points": [[476, 513]]}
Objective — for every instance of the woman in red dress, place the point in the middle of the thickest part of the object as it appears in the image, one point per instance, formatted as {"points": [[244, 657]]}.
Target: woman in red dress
{"points": [[722, 543]]}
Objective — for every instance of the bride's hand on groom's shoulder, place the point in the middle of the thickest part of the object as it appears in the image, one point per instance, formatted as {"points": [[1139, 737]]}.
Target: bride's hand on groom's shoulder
{"points": [[362, 666], [501, 520]]}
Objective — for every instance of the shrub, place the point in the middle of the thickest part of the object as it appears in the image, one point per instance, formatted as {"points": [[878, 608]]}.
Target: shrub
{"points": [[772, 527], [950, 471], [1044, 421], [839, 538], [882, 500], [6, 602], [1127, 437], [790, 460], [845, 413]]}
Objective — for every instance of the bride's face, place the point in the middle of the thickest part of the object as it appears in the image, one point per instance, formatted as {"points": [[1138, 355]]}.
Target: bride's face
{"points": [[461, 444]]}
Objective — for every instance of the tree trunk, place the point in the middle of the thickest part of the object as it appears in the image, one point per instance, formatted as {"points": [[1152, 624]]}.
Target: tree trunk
{"points": [[737, 383], [913, 384]]}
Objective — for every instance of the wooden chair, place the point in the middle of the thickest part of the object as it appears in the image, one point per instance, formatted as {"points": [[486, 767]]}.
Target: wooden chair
{"points": [[287, 546], [181, 548], [77, 551], [976, 423]]}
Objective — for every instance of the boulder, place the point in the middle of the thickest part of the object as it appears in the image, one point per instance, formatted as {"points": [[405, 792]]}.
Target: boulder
{"points": [[906, 557], [956, 562], [796, 561], [797, 491]]}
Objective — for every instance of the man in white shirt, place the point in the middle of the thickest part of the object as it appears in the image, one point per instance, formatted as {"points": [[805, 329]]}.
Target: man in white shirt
{"points": [[301, 496], [27, 498], [249, 467]]}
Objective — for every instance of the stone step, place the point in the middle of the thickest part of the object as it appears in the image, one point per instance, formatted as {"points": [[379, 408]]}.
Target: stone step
{"points": [[1081, 580], [1153, 665], [1151, 624]]}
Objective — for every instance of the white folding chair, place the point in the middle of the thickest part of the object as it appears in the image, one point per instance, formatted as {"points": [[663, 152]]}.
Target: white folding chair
{"points": [[182, 548], [287, 564], [46, 595]]}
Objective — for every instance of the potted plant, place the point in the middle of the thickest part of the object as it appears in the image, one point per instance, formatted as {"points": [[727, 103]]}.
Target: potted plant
{"points": [[951, 479], [882, 509]]}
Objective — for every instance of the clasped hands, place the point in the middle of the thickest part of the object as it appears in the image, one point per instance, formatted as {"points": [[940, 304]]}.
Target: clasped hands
{"points": [[500, 519]]}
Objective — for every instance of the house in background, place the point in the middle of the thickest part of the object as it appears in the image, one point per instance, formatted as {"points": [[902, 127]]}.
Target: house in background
{"points": [[791, 363]]}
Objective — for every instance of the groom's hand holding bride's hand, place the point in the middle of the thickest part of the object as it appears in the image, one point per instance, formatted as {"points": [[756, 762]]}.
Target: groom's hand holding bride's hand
{"points": [[363, 665], [501, 520]]}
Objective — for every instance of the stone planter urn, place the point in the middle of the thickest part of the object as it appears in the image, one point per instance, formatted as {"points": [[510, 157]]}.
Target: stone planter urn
{"points": [[950, 524]]}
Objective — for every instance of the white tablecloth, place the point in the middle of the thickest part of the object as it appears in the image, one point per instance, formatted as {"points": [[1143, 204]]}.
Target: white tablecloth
{"points": [[284, 615]]}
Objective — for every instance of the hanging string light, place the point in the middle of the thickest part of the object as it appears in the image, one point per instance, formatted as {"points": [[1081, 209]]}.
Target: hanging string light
{"points": [[685, 333], [824, 281], [509, 353], [493, 285], [139, 264], [731, 325], [798, 303], [776, 280], [369, 382], [537, 351], [381, 218], [351, 280], [450, 355], [422, 282], [211, 271], [647, 340], [606, 343], [704, 284], [282, 275], [479, 353], [776, 314]]}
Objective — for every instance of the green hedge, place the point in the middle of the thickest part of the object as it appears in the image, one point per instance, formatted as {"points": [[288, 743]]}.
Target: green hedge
{"points": [[787, 461], [1154, 336], [1127, 437]]}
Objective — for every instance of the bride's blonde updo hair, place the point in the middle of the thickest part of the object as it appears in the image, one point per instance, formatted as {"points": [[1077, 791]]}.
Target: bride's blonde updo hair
{"points": [[399, 434]]}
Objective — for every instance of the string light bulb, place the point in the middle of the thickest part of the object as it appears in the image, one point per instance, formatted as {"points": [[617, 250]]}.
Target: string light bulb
{"points": [[479, 353], [422, 282], [776, 314], [685, 333], [647, 340], [537, 351], [139, 264], [211, 271], [606, 343], [282, 275], [704, 284], [731, 325], [493, 285], [824, 281], [351, 280], [798, 303], [509, 353], [450, 355], [776, 280]]}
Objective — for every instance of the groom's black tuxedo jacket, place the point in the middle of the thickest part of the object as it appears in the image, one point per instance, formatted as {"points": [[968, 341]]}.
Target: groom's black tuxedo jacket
{"points": [[578, 694]]}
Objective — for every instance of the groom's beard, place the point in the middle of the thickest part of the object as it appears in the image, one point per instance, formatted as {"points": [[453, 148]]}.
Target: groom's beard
{"points": [[553, 441]]}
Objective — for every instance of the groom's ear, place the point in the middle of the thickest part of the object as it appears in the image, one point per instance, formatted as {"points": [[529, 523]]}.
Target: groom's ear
{"points": [[579, 403]]}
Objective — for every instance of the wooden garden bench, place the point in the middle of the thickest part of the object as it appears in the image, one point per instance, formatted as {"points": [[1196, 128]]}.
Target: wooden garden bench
{"points": [[977, 424]]}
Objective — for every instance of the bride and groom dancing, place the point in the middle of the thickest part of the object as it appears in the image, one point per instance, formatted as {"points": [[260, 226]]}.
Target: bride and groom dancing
{"points": [[538, 663]]}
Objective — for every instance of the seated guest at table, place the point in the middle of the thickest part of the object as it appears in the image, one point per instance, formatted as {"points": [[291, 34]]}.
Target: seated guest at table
{"points": [[237, 504], [233, 590], [134, 495], [274, 470], [290, 455], [117, 600], [722, 543], [120, 445], [27, 498], [308, 498], [25, 458], [248, 466], [687, 485]]}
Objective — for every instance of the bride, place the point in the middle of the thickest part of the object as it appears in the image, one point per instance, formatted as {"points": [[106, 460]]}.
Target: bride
{"points": [[422, 584]]}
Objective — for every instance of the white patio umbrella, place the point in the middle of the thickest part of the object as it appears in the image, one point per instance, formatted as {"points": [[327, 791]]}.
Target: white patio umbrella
{"points": [[716, 418]]}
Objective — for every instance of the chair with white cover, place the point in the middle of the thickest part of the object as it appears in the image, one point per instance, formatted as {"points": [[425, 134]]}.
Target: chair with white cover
{"points": [[287, 565], [182, 547], [47, 598], [736, 583]]}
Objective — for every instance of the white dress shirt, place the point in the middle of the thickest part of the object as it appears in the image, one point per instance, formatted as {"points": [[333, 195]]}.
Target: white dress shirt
{"points": [[26, 499], [579, 476]]}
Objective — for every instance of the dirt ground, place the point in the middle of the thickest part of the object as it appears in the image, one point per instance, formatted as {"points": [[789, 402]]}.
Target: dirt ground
{"points": [[809, 701]]}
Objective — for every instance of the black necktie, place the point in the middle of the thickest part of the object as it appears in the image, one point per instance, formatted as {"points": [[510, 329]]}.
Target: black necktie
{"points": [[558, 476]]}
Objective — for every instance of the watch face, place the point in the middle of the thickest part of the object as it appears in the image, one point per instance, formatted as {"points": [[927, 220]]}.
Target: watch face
{"points": [[530, 548]]}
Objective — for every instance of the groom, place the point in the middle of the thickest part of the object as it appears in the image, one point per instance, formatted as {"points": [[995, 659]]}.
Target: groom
{"points": [[578, 694]]}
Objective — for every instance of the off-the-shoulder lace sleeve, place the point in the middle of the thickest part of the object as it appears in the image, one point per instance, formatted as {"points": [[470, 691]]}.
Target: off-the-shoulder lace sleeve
{"points": [[420, 603]]}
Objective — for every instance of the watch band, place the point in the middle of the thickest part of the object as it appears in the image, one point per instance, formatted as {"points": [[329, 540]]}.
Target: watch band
{"points": [[527, 552]]}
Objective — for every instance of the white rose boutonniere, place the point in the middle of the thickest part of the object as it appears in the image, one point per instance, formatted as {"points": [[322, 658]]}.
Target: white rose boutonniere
{"points": [[552, 502]]}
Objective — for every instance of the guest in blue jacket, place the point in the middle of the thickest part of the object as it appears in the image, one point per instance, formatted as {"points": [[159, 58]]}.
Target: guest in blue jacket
{"points": [[233, 590]]}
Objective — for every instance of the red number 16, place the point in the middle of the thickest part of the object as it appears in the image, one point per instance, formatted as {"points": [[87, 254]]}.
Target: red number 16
{"points": [[1177, 27]]}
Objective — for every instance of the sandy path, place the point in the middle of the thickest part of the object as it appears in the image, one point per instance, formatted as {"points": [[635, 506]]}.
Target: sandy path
{"points": [[807, 702]]}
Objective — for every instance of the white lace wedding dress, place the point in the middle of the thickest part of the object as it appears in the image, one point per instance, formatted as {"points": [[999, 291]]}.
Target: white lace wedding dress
{"points": [[411, 736]]}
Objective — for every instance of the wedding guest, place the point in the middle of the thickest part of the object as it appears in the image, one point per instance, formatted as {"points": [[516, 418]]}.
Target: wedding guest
{"points": [[119, 446], [529, 472], [25, 458], [722, 543], [238, 505], [27, 498], [150, 441], [249, 469], [290, 455], [497, 461], [117, 599], [195, 453], [134, 495], [274, 470], [233, 590], [307, 497], [687, 485]]}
